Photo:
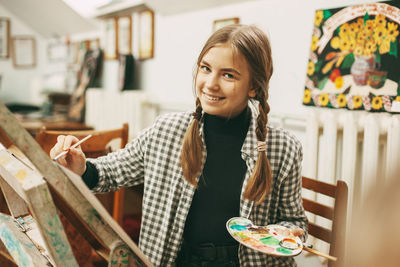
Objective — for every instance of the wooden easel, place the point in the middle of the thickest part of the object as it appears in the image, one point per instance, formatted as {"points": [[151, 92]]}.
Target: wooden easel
{"points": [[35, 187]]}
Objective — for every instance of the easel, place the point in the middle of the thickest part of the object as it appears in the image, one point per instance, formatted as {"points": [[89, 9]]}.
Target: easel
{"points": [[38, 185]]}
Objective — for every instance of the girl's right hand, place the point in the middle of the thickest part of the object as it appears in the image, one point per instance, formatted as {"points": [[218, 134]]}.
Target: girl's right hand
{"points": [[75, 159]]}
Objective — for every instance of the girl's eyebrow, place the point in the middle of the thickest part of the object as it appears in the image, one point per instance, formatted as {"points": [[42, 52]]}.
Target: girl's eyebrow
{"points": [[223, 69]]}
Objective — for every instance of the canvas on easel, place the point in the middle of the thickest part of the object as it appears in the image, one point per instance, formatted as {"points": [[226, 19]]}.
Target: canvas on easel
{"points": [[38, 182]]}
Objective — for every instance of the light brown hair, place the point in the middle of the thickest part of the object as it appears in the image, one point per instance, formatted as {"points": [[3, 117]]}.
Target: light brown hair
{"points": [[254, 45]]}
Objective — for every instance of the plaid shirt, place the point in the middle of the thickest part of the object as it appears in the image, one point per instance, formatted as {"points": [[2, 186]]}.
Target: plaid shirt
{"points": [[153, 159]]}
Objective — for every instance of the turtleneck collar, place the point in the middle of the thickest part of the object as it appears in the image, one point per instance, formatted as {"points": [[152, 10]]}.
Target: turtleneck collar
{"points": [[231, 126]]}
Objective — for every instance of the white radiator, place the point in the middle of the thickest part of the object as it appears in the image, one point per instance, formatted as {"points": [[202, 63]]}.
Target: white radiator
{"points": [[108, 110], [358, 147]]}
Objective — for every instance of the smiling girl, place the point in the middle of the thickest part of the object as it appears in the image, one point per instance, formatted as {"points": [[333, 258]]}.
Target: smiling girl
{"points": [[200, 169]]}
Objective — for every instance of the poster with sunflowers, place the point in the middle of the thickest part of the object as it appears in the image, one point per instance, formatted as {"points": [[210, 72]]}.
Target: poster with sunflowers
{"points": [[354, 58]]}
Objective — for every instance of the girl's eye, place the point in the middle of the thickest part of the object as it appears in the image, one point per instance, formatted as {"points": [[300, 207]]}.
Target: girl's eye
{"points": [[229, 76], [205, 68]]}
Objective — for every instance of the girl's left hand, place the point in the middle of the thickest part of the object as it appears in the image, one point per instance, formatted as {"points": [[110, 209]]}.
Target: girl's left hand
{"points": [[297, 231]]}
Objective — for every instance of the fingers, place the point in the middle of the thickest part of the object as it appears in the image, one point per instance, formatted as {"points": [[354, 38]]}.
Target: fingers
{"points": [[63, 144], [297, 232]]}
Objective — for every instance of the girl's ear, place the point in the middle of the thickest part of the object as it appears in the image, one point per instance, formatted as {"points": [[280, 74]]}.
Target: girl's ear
{"points": [[252, 93]]}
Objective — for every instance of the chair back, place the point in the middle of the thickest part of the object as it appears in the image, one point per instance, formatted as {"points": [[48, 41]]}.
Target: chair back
{"points": [[94, 147], [336, 236]]}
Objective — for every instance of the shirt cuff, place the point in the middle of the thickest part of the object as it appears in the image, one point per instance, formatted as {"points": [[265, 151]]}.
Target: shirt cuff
{"points": [[91, 175]]}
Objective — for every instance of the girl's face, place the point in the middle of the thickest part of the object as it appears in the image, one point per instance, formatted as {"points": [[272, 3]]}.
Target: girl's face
{"points": [[223, 82]]}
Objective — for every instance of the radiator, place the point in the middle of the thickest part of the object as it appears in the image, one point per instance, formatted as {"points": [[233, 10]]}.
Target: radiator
{"points": [[358, 147], [109, 110]]}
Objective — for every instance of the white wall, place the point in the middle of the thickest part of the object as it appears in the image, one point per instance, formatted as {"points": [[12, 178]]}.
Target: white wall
{"points": [[21, 85], [289, 24], [178, 40]]}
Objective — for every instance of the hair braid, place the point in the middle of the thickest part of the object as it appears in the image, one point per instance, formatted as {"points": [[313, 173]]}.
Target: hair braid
{"points": [[192, 148], [260, 181]]}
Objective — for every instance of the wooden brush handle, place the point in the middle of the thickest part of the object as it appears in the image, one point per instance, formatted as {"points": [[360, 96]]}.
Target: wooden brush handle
{"points": [[316, 252]]}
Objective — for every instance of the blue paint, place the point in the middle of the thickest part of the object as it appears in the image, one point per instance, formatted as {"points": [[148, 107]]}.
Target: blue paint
{"points": [[14, 247], [60, 244], [238, 227]]}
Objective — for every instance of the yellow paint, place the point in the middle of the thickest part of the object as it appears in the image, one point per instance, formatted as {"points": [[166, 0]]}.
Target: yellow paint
{"points": [[21, 175], [4, 160]]}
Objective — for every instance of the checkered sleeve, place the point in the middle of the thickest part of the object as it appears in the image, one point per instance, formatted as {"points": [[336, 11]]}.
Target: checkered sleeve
{"points": [[290, 210], [124, 167]]}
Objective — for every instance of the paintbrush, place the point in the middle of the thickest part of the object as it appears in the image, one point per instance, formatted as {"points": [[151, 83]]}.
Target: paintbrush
{"points": [[73, 146]]}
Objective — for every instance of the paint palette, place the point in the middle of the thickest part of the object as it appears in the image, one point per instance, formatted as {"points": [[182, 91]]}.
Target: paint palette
{"points": [[271, 239]]}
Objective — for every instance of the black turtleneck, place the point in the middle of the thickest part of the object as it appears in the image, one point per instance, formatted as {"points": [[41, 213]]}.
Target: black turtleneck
{"points": [[217, 198]]}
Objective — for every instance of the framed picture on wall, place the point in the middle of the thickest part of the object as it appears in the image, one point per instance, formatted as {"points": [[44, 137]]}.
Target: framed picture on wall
{"points": [[23, 51], [4, 38], [146, 34], [219, 23], [125, 35], [111, 38]]}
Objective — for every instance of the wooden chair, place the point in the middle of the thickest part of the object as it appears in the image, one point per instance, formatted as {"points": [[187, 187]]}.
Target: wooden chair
{"points": [[337, 214], [94, 147]]}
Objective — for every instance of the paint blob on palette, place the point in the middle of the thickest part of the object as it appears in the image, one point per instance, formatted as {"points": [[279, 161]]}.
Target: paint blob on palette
{"points": [[271, 239]]}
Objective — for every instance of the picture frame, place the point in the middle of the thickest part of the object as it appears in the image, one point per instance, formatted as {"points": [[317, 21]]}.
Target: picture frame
{"points": [[146, 34], [111, 38], [4, 38], [57, 52], [125, 35], [23, 51], [219, 23]]}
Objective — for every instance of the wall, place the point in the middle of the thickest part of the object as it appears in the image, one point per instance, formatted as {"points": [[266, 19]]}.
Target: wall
{"points": [[289, 24], [21, 85], [178, 40]]}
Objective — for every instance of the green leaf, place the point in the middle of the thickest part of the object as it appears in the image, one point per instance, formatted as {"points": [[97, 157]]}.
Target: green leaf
{"points": [[321, 83], [348, 61], [327, 14], [393, 49], [377, 55], [366, 17], [318, 66]]}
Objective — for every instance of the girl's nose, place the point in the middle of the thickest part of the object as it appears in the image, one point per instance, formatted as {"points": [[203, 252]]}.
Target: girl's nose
{"points": [[212, 82]]}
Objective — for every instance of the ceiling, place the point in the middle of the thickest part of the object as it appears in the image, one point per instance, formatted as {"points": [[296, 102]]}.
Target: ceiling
{"points": [[52, 18], [49, 18]]}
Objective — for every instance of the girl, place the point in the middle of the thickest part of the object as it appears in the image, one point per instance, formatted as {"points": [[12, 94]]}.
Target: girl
{"points": [[200, 169]]}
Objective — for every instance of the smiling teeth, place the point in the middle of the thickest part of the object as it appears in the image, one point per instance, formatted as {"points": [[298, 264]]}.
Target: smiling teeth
{"points": [[213, 98]]}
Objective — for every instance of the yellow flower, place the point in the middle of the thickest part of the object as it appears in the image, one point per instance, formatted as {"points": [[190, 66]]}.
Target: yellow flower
{"points": [[361, 36], [335, 42], [377, 103], [358, 50], [344, 30], [310, 68], [370, 47], [314, 43], [369, 27], [345, 44], [380, 20], [357, 101], [379, 35], [392, 31], [384, 47], [323, 99], [307, 96], [319, 15], [354, 28], [397, 98], [339, 82], [341, 99]]}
